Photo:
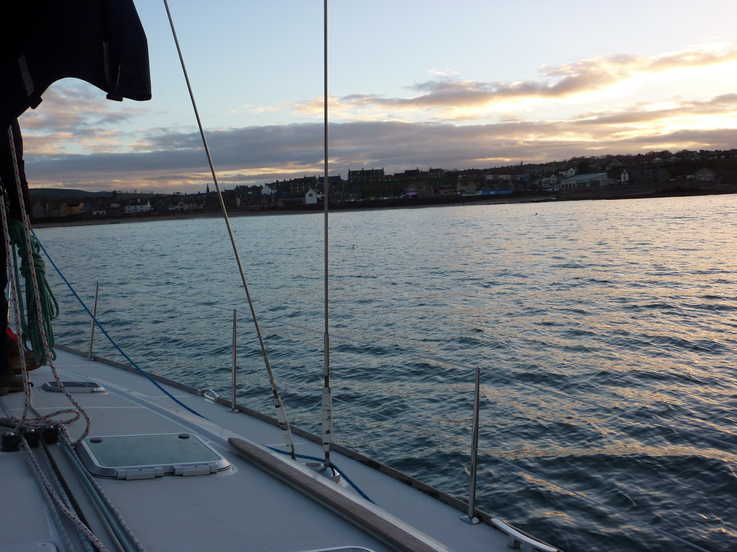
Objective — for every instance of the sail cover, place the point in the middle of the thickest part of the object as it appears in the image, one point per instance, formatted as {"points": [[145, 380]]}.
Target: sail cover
{"points": [[42, 41]]}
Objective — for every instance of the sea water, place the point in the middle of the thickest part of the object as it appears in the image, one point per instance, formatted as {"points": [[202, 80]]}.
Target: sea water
{"points": [[605, 331]]}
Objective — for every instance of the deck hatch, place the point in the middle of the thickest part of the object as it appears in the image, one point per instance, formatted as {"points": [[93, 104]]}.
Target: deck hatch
{"points": [[73, 387], [150, 455]]}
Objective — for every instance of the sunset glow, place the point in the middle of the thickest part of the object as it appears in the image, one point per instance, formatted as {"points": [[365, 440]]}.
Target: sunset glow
{"points": [[266, 124]]}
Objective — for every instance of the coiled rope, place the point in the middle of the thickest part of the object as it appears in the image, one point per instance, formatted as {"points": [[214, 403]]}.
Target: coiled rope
{"points": [[35, 300], [49, 306]]}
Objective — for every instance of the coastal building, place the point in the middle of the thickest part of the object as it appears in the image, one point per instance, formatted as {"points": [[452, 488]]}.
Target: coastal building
{"points": [[186, 204], [137, 207], [444, 183], [497, 184], [366, 183], [549, 183], [312, 197], [366, 176], [467, 184], [586, 181], [703, 175], [72, 208], [335, 185]]}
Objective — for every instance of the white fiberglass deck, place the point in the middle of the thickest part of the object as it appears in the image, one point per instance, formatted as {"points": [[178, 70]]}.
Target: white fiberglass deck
{"points": [[241, 508]]}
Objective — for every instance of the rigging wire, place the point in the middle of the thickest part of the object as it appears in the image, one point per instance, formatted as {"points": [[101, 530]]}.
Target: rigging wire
{"points": [[293, 454], [327, 399], [332, 466], [278, 402], [510, 463], [372, 339]]}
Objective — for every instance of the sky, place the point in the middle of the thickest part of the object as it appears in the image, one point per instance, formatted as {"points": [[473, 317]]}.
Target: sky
{"points": [[413, 83]]}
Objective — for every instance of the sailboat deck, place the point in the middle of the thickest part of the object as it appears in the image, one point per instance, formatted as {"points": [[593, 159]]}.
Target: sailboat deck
{"points": [[242, 508]]}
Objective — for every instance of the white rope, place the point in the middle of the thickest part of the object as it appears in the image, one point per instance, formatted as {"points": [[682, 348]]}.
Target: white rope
{"points": [[96, 488], [60, 504], [37, 302]]}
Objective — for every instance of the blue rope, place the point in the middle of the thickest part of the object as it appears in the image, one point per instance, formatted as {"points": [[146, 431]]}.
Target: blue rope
{"points": [[163, 390], [331, 465], [112, 341]]}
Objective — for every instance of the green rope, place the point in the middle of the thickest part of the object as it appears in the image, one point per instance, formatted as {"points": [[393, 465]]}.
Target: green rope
{"points": [[49, 305]]}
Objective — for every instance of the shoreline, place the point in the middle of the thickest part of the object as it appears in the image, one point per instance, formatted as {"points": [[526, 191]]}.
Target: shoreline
{"points": [[281, 212], [278, 212]]}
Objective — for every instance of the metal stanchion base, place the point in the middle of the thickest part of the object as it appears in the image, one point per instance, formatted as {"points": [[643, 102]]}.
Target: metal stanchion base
{"points": [[470, 520]]}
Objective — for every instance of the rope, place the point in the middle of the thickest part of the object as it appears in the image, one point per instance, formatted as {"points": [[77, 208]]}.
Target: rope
{"points": [[116, 524], [112, 341], [15, 300], [281, 412], [331, 466], [49, 305], [36, 297], [61, 506]]}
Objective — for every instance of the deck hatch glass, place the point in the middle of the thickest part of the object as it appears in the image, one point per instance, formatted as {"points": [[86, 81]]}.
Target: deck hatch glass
{"points": [[151, 455]]}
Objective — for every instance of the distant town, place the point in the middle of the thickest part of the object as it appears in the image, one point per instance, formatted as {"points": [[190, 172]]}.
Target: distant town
{"points": [[660, 173]]}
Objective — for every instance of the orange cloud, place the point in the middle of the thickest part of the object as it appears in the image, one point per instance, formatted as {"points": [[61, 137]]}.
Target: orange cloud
{"points": [[75, 117], [456, 96]]}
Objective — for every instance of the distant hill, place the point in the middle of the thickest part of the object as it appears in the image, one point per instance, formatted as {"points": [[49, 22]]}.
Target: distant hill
{"points": [[64, 193]]}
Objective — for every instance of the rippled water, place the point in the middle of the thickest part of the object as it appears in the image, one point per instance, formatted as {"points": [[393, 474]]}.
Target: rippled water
{"points": [[605, 331]]}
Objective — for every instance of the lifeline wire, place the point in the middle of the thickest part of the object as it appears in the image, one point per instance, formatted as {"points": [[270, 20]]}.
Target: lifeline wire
{"points": [[112, 341], [278, 402], [147, 375]]}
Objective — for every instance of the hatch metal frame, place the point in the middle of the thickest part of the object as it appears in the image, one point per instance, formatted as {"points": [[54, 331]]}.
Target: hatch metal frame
{"points": [[184, 467]]}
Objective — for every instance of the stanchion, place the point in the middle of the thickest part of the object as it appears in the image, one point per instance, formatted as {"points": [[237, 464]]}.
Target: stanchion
{"points": [[92, 320]]}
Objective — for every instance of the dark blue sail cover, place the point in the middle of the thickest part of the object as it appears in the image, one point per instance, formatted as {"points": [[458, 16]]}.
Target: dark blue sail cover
{"points": [[41, 41]]}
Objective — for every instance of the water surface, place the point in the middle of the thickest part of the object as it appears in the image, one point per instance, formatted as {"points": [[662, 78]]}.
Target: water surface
{"points": [[605, 332]]}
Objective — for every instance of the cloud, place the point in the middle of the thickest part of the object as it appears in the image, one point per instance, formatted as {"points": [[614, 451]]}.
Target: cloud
{"points": [[76, 117], [74, 140], [259, 154], [724, 104], [454, 95]]}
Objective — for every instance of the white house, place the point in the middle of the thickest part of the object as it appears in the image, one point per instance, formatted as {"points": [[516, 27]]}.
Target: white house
{"points": [[138, 207], [189, 205], [312, 197]]}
